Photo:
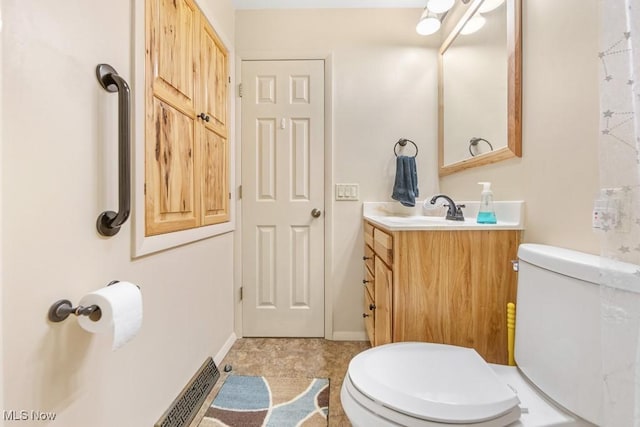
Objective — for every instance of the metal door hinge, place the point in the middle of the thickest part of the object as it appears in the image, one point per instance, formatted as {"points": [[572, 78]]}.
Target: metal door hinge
{"points": [[239, 192], [241, 293], [229, 79], [240, 90], [229, 195], [145, 188]]}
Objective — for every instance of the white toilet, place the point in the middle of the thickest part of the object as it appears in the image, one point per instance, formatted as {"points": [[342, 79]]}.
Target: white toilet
{"points": [[557, 349]]}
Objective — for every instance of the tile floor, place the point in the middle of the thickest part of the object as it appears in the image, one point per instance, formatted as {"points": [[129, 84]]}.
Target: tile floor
{"points": [[292, 357]]}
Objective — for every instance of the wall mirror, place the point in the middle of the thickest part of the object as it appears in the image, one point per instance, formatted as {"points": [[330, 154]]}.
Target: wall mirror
{"points": [[479, 87]]}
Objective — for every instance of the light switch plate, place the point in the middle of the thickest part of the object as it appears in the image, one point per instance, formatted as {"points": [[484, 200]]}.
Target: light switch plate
{"points": [[347, 192]]}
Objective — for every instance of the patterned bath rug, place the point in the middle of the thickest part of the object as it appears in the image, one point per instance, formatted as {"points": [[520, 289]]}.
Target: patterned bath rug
{"points": [[245, 401]]}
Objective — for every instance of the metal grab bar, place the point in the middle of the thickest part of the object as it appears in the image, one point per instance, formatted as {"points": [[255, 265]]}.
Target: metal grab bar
{"points": [[109, 222]]}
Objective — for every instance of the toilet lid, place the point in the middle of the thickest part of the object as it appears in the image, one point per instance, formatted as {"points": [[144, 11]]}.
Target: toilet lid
{"points": [[435, 382]]}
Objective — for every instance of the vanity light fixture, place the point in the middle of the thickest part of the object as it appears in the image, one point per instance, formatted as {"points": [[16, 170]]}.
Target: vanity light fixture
{"points": [[440, 6], [431, 17], [428, 23], [473, 24]]}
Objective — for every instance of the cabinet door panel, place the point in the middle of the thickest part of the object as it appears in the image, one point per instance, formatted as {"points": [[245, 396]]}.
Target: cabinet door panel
{"points": [[368, 234], [170, 183], [421, 309], [214, 80], [493, 285], [383, 245], [460, 253], [214, 178], [383, 291], [171, 58]]}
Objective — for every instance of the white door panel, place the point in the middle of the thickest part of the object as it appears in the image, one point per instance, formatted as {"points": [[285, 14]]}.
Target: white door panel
{"points": [[283, 182]]}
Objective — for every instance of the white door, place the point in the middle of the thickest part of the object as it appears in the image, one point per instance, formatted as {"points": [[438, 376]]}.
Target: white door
{"points": [[283, 198]]}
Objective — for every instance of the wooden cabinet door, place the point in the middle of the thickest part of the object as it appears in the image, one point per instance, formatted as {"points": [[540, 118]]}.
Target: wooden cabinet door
{"points": [[170, 174], [493, 285], [214, 178], [213, 80], [172, 32], [383, 289]]}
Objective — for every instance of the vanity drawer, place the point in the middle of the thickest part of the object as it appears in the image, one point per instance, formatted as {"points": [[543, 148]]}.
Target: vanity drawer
{"points": [[383, 246], [368, 258], [368, 282], [369, 316], [368, 234]]}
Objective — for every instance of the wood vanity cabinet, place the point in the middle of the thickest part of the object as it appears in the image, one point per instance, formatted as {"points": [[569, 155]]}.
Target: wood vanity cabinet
{"points": [[449, 287]]}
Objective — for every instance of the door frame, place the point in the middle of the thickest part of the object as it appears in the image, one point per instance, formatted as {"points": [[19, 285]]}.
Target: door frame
{"points": [[327, 57]]}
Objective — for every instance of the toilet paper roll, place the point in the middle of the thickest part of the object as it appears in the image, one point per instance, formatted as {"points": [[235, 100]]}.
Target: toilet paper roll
{"points": [[121, 312]]}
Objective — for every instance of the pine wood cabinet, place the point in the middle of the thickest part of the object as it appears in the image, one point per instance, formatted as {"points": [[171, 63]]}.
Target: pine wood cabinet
{"points": [[187, 132], [449, 287]]}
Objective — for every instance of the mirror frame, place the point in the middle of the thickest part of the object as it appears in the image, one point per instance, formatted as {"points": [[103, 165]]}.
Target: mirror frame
{"points": [[514, 91]]}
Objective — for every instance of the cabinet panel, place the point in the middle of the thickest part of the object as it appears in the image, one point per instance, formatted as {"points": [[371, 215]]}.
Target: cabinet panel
{"points": [[421, 309], [368, 258], [172, 25], [368, 234], [214, 178], [170, 180], [383, 245], [494, 285], [382, 297], [369, 318], [369, 282]]}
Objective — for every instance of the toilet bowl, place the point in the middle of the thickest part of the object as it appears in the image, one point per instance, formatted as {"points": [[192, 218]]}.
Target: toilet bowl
{"points": [[429, 384], [425, 384]]}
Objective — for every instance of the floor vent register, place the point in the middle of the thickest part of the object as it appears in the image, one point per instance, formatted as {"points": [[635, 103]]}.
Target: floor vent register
{"points": [[185, 407]]}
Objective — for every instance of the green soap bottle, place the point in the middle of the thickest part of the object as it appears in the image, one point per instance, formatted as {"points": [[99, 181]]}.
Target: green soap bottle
{"points": [[486, 213]]}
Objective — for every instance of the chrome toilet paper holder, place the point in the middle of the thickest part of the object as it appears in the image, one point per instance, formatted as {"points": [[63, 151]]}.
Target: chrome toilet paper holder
{"points": [[63, 308]]}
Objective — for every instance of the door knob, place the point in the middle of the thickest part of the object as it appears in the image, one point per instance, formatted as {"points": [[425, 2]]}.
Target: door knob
{"points": [[204, 117], [316, 213]]}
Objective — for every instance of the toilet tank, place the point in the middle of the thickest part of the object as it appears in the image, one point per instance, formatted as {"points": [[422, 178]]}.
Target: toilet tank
{"points": [[557, 344]]}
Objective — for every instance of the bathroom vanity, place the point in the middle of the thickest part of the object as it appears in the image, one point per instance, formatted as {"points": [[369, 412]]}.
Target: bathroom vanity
{"points": [[428, 279]]}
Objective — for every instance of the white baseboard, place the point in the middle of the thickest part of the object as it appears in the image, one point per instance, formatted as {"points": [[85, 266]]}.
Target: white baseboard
{"points": [[225, 349], [350, 336]]}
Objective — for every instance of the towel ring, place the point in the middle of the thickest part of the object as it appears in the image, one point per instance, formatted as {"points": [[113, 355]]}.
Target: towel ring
{"points": [[473, 142], [402, 142]]}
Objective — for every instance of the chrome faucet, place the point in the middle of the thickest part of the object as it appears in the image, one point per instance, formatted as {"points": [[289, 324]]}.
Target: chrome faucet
{"points": [[454, 213]]}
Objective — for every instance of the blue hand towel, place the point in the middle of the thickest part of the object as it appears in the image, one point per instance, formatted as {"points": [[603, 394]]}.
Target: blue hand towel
{"points": [[405, 188]]}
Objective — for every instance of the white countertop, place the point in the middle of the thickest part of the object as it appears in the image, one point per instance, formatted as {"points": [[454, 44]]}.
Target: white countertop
{"points": [[395, 217]]}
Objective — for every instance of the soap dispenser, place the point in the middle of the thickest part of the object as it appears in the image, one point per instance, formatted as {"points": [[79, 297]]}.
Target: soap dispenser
{"points": [[486, 213]]}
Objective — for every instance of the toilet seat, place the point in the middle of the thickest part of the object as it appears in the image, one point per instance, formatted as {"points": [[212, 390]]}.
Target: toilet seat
{"points": [[432, 382]]}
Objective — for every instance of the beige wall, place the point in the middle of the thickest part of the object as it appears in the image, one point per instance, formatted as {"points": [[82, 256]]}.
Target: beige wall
{"points": [[557, 175], [55, 182], [1, 243], [383, 88]]}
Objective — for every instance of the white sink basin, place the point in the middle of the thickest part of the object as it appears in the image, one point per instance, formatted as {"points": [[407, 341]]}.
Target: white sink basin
{"points": [[510, 217]]}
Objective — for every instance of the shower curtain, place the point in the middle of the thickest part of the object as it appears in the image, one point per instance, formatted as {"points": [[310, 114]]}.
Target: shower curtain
{"points": [[618, 206]]}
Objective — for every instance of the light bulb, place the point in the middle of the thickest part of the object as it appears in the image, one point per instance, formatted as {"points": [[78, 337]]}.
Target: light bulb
{"points": [[489, 5], [440, 6], [473, 24], [428, 24]]}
